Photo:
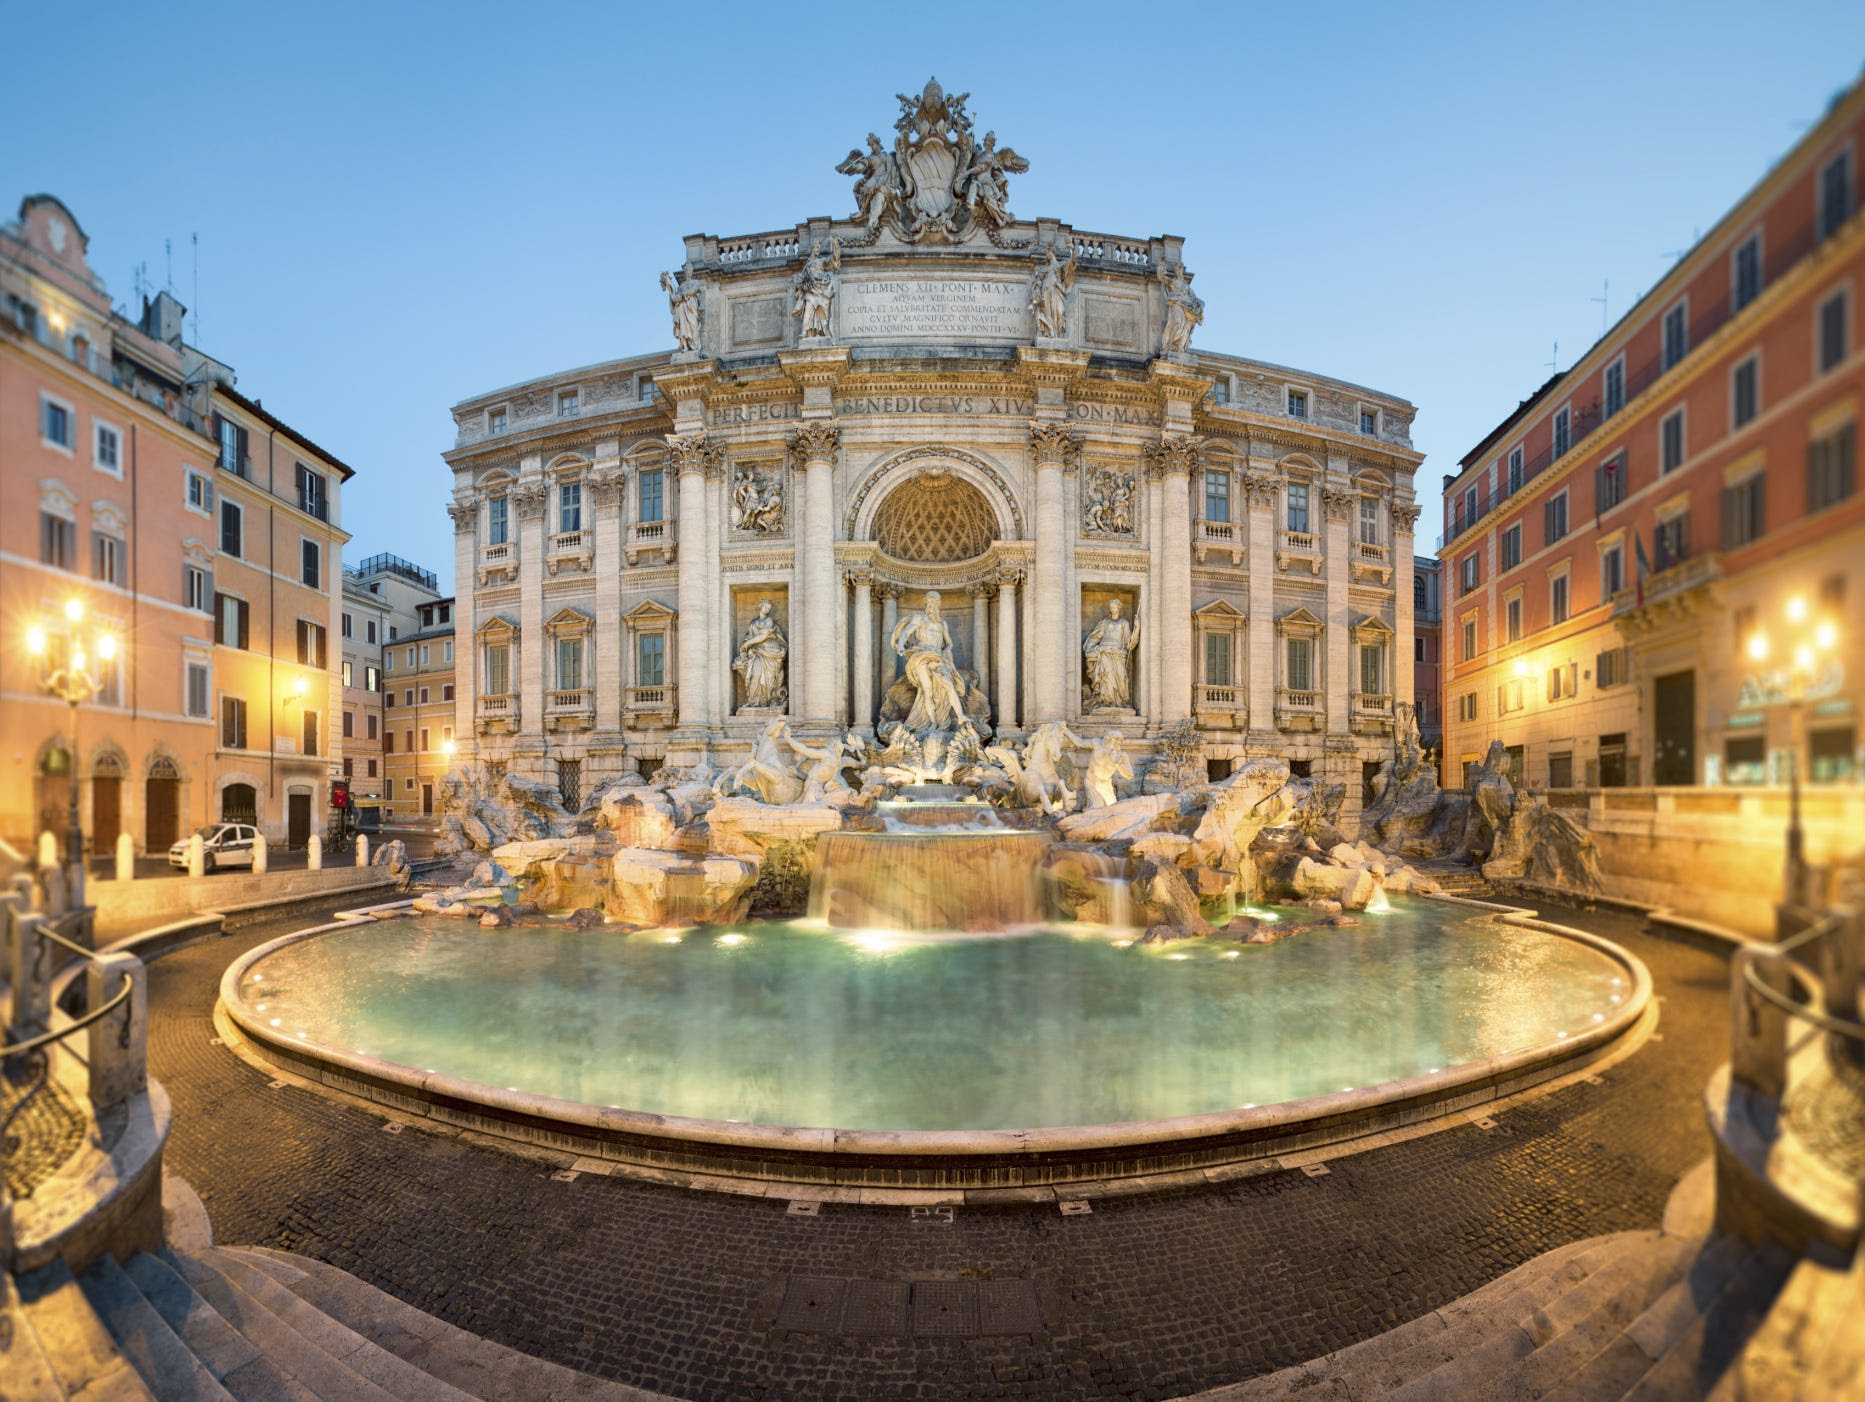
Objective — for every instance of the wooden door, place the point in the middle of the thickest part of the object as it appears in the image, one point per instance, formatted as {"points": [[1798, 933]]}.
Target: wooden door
{"points": [[1674, 729], [161, 813], [106, 812], [298, 820]]}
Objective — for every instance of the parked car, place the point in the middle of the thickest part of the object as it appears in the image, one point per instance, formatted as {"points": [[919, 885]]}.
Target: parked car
{"points": [[223, 845]]}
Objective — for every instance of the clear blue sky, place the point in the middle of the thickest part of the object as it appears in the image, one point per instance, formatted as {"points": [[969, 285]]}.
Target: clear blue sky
{"points": [[400, 205]]}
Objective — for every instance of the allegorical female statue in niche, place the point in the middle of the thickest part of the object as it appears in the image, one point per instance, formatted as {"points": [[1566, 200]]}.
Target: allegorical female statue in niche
{"points": [[760, 661], [1108, 654]]}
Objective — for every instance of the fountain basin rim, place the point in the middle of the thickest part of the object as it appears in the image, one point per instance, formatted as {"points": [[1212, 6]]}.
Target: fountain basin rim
{"points": [[1064, 1152]]}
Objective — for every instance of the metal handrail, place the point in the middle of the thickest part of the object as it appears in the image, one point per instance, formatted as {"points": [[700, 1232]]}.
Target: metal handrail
{"points": [[18, 1049], [1780, 956]]}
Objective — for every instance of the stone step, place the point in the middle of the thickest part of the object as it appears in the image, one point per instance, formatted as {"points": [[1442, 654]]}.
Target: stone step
{"points": [[232, 1358], [1776, 1359], [83, 1357], [479, 1367], [1697, 1358], [23, 1363], [166, 1364], [298, 1357], [1391, 1358], [393, 1375]]}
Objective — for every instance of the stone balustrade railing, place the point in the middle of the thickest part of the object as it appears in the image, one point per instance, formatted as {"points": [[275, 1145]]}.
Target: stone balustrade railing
{"points": [[1371, 553], [497, 555], [1225, 531], [499, 705], [1372, 702], [1287, 700], [1301, 542], [569, 701], [651, 698], [569, 542]]}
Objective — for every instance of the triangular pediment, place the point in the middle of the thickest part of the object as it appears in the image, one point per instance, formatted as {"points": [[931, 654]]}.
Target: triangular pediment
{"points": [[1299, 618], [497, 625], [647, 611], [570, 617], [1373, 623], [1219, 611]]}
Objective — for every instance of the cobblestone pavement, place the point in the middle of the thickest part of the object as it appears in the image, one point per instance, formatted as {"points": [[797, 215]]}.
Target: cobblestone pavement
{"points": [[44, 1125], [1147, 1297]]}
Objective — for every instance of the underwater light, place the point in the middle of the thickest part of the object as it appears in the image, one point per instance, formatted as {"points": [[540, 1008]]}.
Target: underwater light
{"points": [[731, 939]]}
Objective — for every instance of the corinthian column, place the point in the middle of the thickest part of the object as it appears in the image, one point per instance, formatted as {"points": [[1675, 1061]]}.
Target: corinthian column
{"points": [[530, 499], [1007, 650], [890, 615], [1405, 623], [691, 456], [863, 581], [605, 490], [981, 635], [465, 515], [1052, 446], [814, 445], [1172, 460]]}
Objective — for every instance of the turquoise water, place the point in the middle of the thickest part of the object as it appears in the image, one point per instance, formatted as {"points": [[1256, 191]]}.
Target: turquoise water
{"points": [[799, 1025]]}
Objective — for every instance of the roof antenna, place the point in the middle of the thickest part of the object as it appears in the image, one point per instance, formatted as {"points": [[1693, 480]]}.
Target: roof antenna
{"points": [[1555, 363], [1676, 254], [168, 265], [1605, 292]]}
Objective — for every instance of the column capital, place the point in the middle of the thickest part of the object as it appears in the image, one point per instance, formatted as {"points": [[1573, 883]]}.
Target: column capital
{"points": [[692, 453], [1405, 517], [815, 442], [1262, 488], [529, 499], [1338, 505], [857, 576], [1174, 455], [1054, 443], [605, 486], [1010, 577], [465, 516], [982, 589]]}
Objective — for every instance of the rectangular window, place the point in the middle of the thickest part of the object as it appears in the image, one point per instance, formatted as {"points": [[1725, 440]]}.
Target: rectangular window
{"points": [[349, 626], [369, 727], [232, 621], [1512, 621], [446, 651], [1671, 441], [407, 738], [566, 404], [108, 448], [1742, 627], [498, 521], [651, 495], [1672, 539], [311, 732], [1831, 467], [570, 507], [232, 723], [1676, 334], [1371, 669], [1609, 668], [1298, 404], [1615, 387], [1298, 507], [233, 441], [388, 699], [106, 559], [58, 541], [1745, 273], [1563, 432], [313, 493], [1832, 332], [1830, 755], [426, 742], [311, 560], [1742, 513], [1835, 194], [498, 670], [200, 493], [1745, 760], [495, 421], [424, 695], [1301, 672], [57, 424], [369, 768], [1469, 572], [407, 698], [446, 691], [1557, 599], [446, 616], [1515, 471], [1466, 706], [369, 630], [651, 659], [1369, 521], [409, 660], [1609, 484], [426, 654], [1554, 518], [1469, 640], [349, 766], [1561, 769], [388, 742], [349, 722], [1216, 495], [1744, 392], [1369, 422], [230, 529], [349, 678], [372, 679], [569, 664], [1611, 573], [311, 644], [1217, 659], [1512, 546], [198, 690]]}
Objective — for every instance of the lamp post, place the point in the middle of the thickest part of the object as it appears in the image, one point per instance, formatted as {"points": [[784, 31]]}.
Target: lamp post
{"points": [[1807, 644], [73, 682]]}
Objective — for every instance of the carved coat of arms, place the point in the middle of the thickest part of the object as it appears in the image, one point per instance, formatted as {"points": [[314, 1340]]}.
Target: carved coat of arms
{"points": [[939, 182]]}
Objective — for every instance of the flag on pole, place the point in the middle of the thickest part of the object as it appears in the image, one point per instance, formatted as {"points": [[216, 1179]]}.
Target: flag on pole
{"points": [[1644, 568]]}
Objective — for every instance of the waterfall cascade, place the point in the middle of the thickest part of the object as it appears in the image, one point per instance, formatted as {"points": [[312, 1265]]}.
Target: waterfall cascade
{"points": [[951, 867]]}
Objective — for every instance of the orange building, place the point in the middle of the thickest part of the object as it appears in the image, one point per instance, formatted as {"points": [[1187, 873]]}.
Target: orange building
{"points": [[1647, 565], [113, 493]]}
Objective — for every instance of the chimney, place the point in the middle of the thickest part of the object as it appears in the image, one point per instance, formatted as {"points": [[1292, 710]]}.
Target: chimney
{"points": [[162, 317]]}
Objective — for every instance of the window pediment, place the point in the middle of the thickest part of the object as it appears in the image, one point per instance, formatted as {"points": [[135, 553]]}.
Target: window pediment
{"points": [[569, 623], [1299, 623], [1219, 611], [648, 614], [497, 628], [1372, 629]]}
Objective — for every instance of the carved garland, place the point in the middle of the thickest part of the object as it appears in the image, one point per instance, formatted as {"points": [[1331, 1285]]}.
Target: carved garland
{"points": [[914, 455]]}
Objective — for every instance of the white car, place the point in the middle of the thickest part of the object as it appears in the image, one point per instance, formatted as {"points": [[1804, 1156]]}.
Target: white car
{"points": [[223, 845]]}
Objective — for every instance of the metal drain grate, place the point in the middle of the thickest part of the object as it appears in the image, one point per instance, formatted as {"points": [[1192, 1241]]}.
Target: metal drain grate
{"points": [[876, 1307], [812, 1304]]}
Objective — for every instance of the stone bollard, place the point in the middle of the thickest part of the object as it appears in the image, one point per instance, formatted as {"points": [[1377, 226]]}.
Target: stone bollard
{"points": [[197, 855], [30, 971], [362, 849], [1758, 1030], [126, 858], [314, 854], [48, 850], [119, 1041], [261, 853], [52, 891]]}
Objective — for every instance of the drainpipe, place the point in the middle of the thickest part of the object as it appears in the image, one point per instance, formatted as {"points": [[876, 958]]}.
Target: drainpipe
{"points": [[272, 702]]}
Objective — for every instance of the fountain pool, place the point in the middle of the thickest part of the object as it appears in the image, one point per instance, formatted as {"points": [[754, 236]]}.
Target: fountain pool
{"points": [[805, 1051]]}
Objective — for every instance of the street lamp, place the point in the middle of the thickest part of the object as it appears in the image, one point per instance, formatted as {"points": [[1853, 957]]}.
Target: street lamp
{"points": [[1803, 653], [73, 682]]}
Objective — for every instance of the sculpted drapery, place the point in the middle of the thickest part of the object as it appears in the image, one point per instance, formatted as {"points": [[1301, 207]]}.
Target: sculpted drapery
{"points": [[760, 660], [1108, 650]]}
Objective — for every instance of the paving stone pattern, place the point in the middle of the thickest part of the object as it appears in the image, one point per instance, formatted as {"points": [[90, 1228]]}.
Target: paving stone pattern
{"points": [[704, 1296]]}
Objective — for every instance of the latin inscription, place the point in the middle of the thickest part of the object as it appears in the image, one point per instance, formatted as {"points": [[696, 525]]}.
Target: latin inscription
{"points": [[976, 310], [751, 413], [936, 404], [1116, 414]]}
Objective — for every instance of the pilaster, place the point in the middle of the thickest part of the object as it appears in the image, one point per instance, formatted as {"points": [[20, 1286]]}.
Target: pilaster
{"points": [[605, 492], [465, 514], [1007, 583], [1053, 446], [693, 458], [1261, 484], [1171, 461], [815, 445], [1405, 623], [981, 635], [530, 499], [1337, 507], [862, 582]]}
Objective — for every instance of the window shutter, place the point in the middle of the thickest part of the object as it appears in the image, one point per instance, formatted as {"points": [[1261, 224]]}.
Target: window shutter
{"points": [[246, 619], [1732, 523], [208, 486]]}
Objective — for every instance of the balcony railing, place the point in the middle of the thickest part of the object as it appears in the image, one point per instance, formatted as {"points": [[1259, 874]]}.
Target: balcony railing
{"points": [[1373, 554], [1299, 547], [573, 701], [650, 535], [570, 550], [1227, 536], [1222, 697], [645, 701], [1371, 711], [499, 707], [1298, 710], [1221, 707], [1674, 577], [569, 542], [1306, 541]]}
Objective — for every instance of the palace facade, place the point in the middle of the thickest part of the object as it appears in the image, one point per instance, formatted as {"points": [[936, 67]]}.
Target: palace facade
{"points": [[930, 396]]}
